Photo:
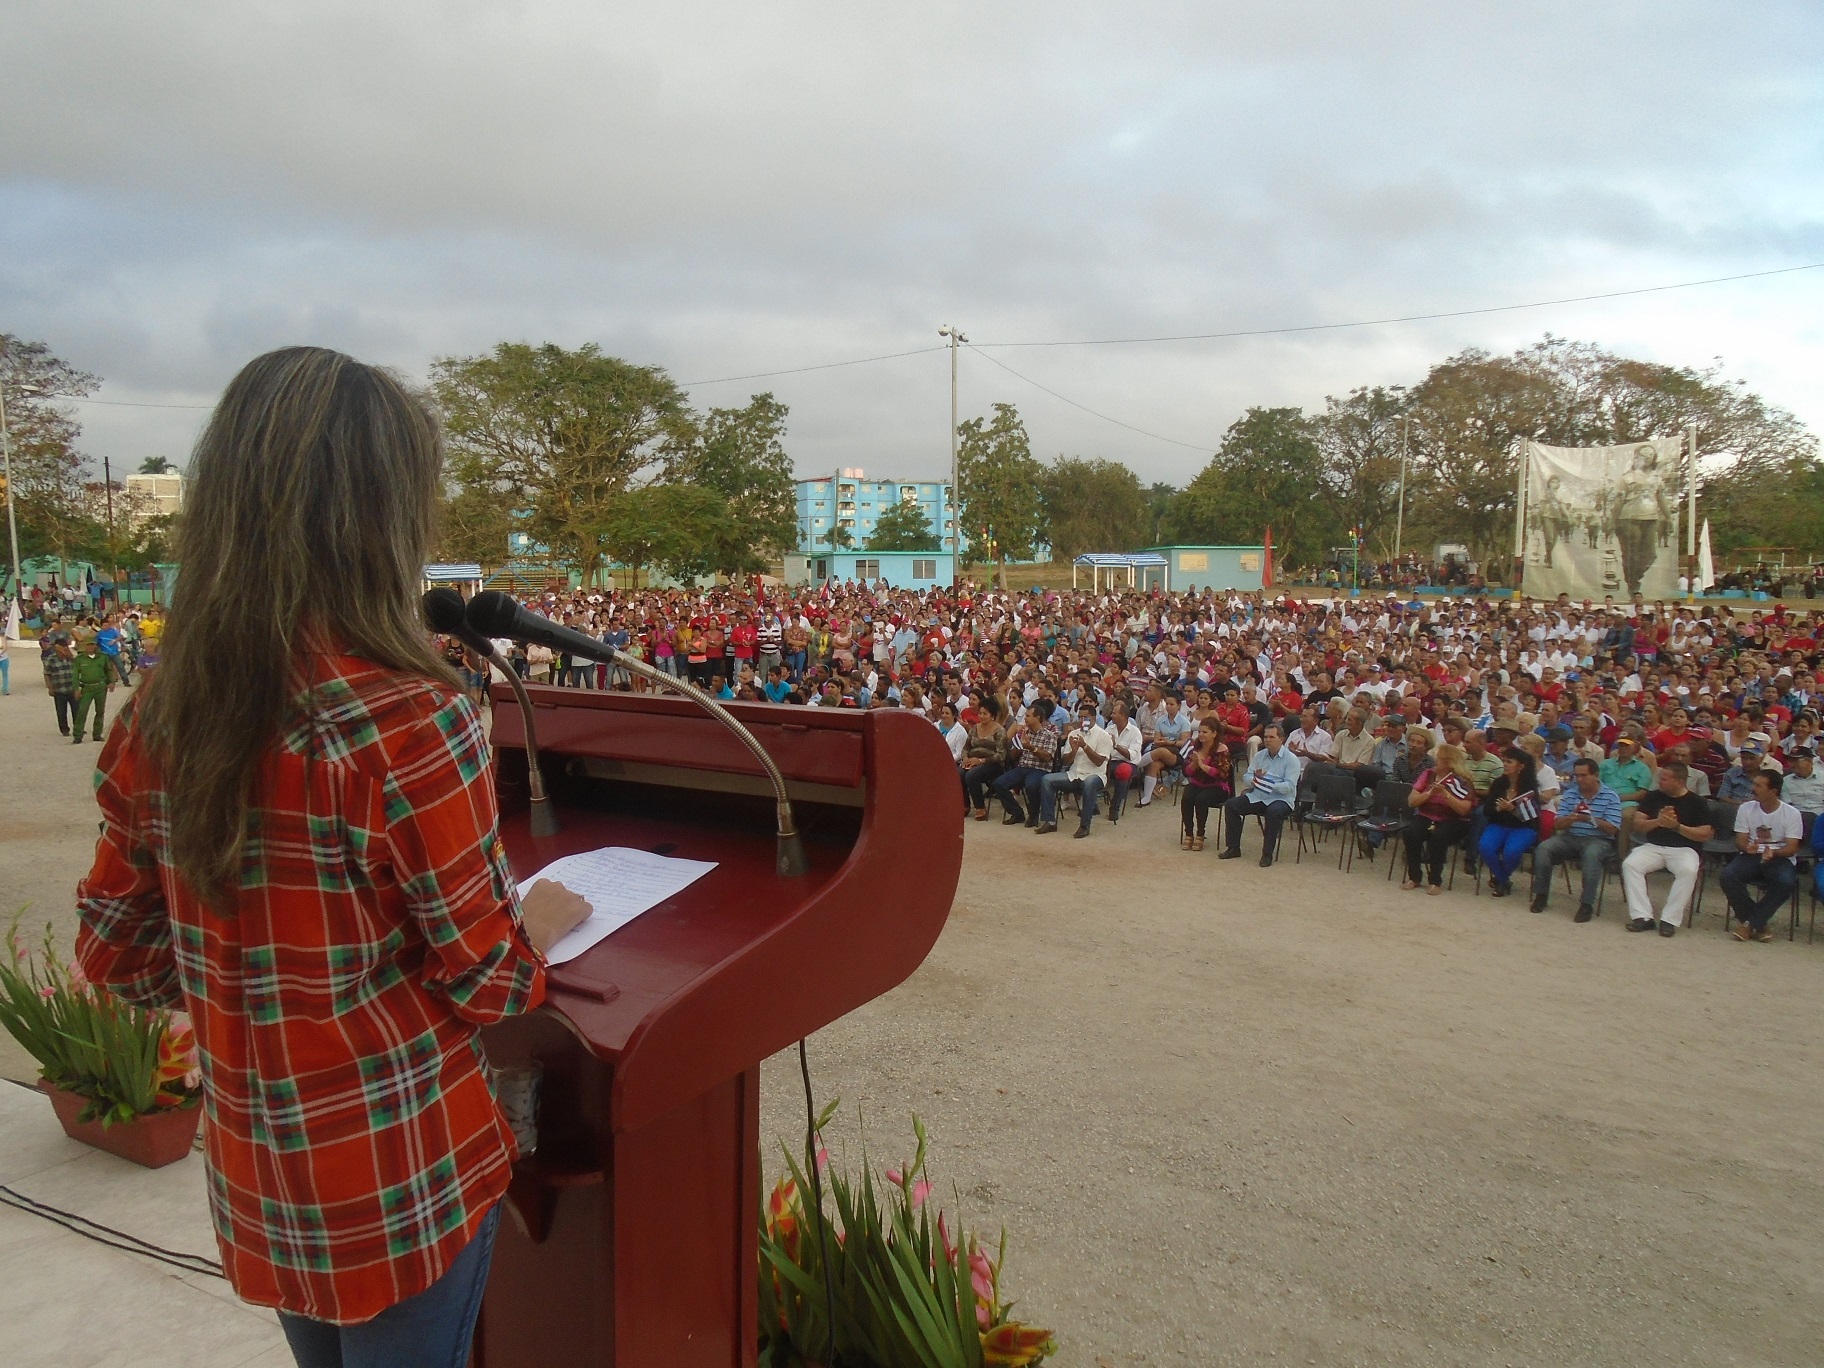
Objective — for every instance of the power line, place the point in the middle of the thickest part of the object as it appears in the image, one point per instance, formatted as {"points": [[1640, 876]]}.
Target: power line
{"points": [[828, 365], [1085, 407], [1131, 341], [121, 403], [1410, 318]]}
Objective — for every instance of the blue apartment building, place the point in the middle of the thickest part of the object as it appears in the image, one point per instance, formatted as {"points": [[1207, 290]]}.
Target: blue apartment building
{"points": [[852, 501]]}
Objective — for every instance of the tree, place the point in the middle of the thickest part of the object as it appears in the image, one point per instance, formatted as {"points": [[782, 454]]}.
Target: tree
{"points": [[1268, 472], [1159, 497], [1093, 505], [1472, 409], [1359, 441], [673, 526], [740, 455], [556, 436], [48, 469], [903, 527], [839, 537], [474, 522], [1001, 489], [157, 465]]}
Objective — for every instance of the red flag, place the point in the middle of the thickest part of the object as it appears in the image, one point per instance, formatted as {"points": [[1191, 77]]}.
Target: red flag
{"points": [[1266, 563]]}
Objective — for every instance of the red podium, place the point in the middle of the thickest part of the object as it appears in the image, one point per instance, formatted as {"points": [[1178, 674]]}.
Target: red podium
{"points": [[631, 1235]]}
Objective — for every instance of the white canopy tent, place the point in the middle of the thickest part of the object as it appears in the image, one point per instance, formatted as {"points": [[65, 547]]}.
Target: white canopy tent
{"points": [[1115, 563]]}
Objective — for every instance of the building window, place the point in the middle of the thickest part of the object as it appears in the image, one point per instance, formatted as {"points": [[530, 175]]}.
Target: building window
{"points": [[867, 569], [823, 570], [924, 569]]}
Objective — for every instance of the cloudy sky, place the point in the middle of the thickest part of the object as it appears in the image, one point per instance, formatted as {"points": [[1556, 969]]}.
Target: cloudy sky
{"points": [[723, 189]]}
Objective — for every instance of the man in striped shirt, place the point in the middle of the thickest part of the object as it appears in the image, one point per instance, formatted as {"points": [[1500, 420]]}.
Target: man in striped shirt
{"points": [[1589, 818]]}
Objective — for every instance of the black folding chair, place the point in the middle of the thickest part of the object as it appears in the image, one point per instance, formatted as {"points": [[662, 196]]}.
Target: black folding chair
{"points": [[1332, 806], [1389, 814], [1718, 851]]}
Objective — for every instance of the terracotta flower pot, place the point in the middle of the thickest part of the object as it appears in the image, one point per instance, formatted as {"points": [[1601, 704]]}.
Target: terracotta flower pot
{"points": [[153, 1141]]}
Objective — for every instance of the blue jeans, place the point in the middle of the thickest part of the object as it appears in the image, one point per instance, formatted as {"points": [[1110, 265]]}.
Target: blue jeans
{"points": [[6, 675], [1503, 848], [430, 1330], [1779, 881], [1054, 784], [1021, 779]]}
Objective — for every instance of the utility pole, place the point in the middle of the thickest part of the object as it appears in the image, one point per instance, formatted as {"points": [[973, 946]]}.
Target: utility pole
{"points": [[107, 485], [956, 494], [1399, 524], [12, 524]]}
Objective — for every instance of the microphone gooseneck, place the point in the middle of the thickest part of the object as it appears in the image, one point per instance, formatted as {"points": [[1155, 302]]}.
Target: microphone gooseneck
{"points": [[445, 612], [493, 613]]}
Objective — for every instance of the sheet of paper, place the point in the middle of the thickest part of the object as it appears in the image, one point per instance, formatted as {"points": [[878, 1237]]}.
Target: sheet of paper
{"points": [[618, 883]]}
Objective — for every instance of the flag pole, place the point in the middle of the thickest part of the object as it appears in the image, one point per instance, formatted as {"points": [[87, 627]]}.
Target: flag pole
{"points": [[1691, 585], [1522, 450]]}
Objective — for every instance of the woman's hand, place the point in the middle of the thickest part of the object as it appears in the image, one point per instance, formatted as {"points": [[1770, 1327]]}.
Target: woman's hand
{"points": [[551, 912]]}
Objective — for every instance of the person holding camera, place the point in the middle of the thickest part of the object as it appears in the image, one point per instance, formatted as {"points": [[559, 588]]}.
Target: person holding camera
{"points": [[1087, 747]]}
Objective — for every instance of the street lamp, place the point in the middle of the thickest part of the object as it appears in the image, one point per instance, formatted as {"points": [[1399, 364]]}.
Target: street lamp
{"points": [[6, 456], [956, 494]]}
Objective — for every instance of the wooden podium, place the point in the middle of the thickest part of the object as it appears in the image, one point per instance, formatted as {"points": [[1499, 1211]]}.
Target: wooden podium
{"points": [[630, 1237]]}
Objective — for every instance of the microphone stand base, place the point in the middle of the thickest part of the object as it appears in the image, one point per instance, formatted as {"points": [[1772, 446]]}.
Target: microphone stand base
{"points": [[790, 862], [543, 817]]}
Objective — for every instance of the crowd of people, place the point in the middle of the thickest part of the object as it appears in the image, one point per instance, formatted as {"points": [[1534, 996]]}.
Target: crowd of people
{"points": [[1484, 731], [87, 656]]}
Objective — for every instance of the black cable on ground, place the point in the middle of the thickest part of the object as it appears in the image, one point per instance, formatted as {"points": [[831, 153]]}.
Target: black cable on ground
{"points": [[107, 1235], [810, 1158]]}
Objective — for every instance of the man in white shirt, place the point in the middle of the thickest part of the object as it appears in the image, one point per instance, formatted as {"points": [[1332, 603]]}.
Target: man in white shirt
{"points": [[1087, 747], [1124, 762], [1804, 786], [1309, 741], [1767, 833]]}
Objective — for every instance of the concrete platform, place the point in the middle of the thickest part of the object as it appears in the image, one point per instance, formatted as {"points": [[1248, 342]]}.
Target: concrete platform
{"points": [[68, 1302]]}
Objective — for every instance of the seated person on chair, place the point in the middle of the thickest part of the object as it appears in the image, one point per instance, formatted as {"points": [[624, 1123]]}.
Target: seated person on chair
{"points": [[1032, 749], [1086, 752], [1172, 732], [1588, 820], [1768, 831], [1511, 812], [1207, 781], [1670, 826], [1268, 790], [1442, 800]]}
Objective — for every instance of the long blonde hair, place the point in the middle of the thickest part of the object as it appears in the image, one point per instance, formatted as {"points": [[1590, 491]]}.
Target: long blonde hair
{"points": [[310, 507], [1449, 759]]}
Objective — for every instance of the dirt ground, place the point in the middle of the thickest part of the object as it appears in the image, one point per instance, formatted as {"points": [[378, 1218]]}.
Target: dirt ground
{"points": [[1238, 1116]]}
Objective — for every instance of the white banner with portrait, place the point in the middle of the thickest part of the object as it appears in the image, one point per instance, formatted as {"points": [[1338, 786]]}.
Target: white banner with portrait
{"points": [[1603, 520]]}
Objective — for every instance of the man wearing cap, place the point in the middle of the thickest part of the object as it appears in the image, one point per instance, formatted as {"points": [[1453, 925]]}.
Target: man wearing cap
{"points": [[1631, 778], [1804, 786], [1737, 786], [1670, 828], [1768, 831]]}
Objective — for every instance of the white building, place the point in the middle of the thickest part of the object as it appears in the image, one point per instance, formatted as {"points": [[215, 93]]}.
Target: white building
{"points": [[152, 496]]}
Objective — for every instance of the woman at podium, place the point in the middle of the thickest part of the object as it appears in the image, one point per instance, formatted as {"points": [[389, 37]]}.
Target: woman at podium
{"points": [[299, 848]]}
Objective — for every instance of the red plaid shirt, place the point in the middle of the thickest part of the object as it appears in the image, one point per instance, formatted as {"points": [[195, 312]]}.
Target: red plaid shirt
{"points": [[353, 1143]]}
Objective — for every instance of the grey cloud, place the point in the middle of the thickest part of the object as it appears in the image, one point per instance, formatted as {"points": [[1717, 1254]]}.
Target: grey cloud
{"points": [[726, 189]]}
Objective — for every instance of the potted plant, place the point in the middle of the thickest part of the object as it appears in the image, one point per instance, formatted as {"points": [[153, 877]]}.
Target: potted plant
{"points": [[885, 1284], [121, 1078]]}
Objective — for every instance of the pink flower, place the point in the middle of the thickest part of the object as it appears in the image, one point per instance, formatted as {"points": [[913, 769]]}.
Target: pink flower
{"points": [[823, 1159], [920, 1190], [895, 1177]]}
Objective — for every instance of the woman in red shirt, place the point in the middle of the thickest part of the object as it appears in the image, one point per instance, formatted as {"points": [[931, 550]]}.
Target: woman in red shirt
{"points": [[299, 847]]}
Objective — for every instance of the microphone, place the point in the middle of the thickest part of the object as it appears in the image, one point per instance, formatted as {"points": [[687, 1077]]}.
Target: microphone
{"points": [[443, 610], [494, 614]]}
